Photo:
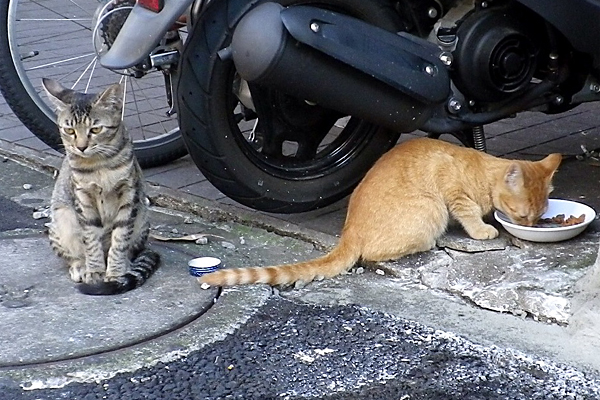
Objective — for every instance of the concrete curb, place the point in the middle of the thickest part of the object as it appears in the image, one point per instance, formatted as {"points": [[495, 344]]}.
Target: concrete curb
{"points": [[172, 199], [216, 212], [43, 162]]}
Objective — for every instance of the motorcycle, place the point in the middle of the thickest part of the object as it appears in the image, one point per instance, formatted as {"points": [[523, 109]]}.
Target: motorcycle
{"points": [[63, 40], [284, 105]]}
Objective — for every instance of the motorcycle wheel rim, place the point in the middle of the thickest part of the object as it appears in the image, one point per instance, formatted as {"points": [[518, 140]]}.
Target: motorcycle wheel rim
{"points": [[343, 143]]}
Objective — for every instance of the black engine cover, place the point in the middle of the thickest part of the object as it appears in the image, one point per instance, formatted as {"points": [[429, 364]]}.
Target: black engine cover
{"points": [[497, 54], [576, 19]]}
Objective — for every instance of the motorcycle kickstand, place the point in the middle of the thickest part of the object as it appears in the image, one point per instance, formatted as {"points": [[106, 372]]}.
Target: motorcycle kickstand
{"points": [[169, 88]]}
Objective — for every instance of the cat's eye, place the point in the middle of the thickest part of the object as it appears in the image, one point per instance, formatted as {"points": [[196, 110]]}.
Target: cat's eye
{"points": [[96, 129], [69, 131]]}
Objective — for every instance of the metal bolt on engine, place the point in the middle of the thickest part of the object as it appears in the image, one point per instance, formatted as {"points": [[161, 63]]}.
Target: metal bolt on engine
{"points": [[454, 106], [314, 27], [446, 59]]}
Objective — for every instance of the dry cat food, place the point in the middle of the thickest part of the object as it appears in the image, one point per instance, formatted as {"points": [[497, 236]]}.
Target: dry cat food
{"points": [[560, 220]]}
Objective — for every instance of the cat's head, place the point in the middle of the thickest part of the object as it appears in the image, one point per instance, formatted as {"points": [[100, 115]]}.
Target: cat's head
{"points": [[89, 124], [522, 193]]}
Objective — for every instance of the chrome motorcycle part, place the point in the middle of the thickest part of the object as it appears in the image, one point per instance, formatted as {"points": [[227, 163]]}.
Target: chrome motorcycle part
{"points": [[446, 59], [454, 106], [169, 57], [295, 156], [54, 39]]}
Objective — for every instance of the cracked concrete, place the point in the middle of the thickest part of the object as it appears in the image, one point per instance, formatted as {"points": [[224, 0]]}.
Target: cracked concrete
{"points": [[533, 280]]}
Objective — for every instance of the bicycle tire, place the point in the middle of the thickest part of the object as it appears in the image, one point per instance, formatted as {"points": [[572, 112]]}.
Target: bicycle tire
{"points": [[24, 98]]}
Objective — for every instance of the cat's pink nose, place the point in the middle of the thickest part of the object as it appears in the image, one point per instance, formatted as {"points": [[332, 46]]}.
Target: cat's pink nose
{"points": [[82, 148]]}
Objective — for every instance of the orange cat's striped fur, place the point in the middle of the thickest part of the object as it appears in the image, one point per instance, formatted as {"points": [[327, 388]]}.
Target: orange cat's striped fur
{"points": [[405, 201]]}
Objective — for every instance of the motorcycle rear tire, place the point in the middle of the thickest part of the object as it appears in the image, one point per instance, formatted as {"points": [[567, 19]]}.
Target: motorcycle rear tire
{"points": [[21, 86], [229, 160]]}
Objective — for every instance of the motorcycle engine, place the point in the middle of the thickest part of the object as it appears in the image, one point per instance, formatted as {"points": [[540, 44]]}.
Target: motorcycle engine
{"points": [[496, 54]]}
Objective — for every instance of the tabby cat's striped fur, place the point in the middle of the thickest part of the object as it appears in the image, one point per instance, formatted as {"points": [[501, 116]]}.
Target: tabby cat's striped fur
{"points": [[99, 216]]}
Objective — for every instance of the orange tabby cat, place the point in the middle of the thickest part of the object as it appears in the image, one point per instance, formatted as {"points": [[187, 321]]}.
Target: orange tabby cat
{"points": [[404, 203]]}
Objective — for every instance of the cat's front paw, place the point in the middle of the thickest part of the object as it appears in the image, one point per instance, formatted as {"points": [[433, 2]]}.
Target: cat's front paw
{"points": [[93, 277], [484, 232], [77, 273]]}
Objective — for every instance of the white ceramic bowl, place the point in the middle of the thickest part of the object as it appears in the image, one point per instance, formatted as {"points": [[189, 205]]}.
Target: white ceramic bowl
{"points": [[550, 234]]}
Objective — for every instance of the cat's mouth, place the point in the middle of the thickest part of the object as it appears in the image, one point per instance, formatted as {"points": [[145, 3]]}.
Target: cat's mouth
{"points": [[88, 152], [516, 220], [525, 222], [82, 154]]}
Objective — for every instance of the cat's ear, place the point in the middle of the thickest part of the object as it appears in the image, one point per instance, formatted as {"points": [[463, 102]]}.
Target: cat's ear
{"points": [[59, 95], [111, 97], [514, 177], [552, 161]]}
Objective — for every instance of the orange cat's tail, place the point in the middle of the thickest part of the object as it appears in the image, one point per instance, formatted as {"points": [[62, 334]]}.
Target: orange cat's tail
{"points": [[340, 259]]}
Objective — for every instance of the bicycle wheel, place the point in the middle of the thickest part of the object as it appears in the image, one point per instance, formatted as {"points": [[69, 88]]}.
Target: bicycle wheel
{"points": [[54, 38], [304, 156]]}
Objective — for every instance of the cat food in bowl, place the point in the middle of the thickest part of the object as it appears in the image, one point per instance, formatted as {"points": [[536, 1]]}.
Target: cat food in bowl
{"points": [[203, 265], [563, 220]]}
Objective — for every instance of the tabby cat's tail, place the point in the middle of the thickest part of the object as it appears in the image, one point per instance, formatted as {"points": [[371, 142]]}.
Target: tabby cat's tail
{"points": [[340, 259], [142, 267]]}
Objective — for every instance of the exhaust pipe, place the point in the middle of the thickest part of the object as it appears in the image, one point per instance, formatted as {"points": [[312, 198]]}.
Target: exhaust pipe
{"points": [[341, 63]]}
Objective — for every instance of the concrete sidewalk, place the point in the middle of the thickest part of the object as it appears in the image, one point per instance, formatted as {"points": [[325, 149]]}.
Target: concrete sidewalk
{"points": [[52, 335]]}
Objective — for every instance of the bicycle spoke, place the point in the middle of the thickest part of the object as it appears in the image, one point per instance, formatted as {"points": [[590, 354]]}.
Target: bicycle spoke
{"points": [[55, 63], [53, 19], [140, 96], [80, 7], [93, 66], [138, 114]]}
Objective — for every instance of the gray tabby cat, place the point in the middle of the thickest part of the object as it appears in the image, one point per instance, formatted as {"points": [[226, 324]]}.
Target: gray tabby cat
{"points": [[99, 218]]}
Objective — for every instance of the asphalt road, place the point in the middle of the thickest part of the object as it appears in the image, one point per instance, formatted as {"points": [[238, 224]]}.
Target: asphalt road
{"points": [[337, 353], [15, 216]]}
